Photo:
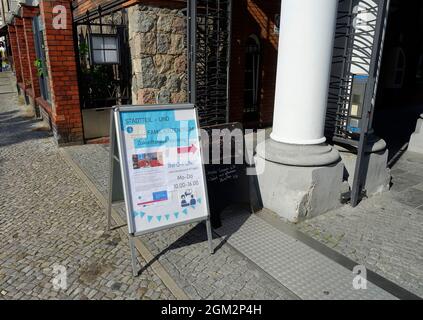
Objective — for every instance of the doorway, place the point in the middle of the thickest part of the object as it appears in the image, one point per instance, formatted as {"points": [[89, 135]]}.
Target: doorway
{"points": [[252, 79], [400, 92]]}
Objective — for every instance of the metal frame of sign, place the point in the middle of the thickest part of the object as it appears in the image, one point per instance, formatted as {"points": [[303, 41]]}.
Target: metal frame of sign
{"points": [[116, 144]]}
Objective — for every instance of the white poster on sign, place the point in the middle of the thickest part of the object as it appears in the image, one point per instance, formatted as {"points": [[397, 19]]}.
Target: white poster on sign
{"points": [[161, 158]]}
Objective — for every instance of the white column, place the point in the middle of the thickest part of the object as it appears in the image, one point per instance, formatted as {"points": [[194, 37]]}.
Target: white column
{"points": [[304, 61]]}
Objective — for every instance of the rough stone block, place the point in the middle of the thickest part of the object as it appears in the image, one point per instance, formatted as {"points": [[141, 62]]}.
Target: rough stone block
{"points": [[179, 97], [164, 96], [173, 83], [146, 96], [180, 64], [163, 62], [298, 193], [143, 21], [149, 78], [163, 42], [164, 23], [179, 25], [177, 44], [378, 174], [148, 43]]}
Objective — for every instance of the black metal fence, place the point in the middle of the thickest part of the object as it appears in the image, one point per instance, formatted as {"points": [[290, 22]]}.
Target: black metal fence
{"points": [[209, 54], [103, 84]]}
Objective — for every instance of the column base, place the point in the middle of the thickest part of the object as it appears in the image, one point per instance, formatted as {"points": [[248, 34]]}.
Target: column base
{"points": [[416, 140], [376, 158], [299, 181]]}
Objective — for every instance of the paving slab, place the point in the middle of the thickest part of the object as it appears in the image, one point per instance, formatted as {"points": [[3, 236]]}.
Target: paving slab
{"points": [[303, 270], [384, 232]]}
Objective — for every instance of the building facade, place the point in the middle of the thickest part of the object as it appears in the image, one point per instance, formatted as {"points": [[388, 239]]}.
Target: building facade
{"points": [[302, 67], [152, 60]]}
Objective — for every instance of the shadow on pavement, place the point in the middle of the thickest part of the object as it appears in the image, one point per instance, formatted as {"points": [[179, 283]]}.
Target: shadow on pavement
{"points": [[198, 234], [15, 128]]}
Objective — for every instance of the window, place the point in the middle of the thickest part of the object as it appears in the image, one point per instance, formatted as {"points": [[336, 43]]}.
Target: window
{"points": [[104, 49], [252, 75], [397, 62], [41, 57]]}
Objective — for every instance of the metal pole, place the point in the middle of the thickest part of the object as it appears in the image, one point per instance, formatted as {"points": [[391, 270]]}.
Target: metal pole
{"points": [[368, 106], [228, 64], [192, 50], [111, 169], [209, 236], [133, 255]]}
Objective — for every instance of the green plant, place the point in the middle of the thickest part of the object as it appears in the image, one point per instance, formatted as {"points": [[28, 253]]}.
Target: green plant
{"points": [[38, 63], [83, 49]]}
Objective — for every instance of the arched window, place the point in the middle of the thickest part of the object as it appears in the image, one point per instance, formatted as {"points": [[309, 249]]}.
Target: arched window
{"points": [[251, 77]]}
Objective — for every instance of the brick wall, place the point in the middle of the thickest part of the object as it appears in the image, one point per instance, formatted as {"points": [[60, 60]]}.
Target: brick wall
{"points": [[22, 54], [27, 14], [66, 112], [15, 52], [254, 17]]}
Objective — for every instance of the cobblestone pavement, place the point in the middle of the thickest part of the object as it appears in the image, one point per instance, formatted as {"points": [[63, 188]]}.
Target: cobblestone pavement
{"points": [[385, 232], [48, 217], [183, 250]]}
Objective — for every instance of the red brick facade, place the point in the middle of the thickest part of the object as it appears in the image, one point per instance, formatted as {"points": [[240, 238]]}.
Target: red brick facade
{"points": [[250, 17], [27, 14], [66, 112], [15, 52], [23, 55], [254, 18]]}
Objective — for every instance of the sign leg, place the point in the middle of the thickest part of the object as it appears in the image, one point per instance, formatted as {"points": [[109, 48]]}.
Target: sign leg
{"points": [[109, 217], [133, 256], [111, 171], [209, 236]]}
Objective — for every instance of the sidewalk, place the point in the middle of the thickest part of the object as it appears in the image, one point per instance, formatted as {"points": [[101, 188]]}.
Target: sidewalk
{"points": [[49, 218], [183, 250], [385, 232], [299, 270], [52, 212]]}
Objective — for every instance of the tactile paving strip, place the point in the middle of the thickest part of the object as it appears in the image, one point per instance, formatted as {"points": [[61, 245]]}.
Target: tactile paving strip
{"points": [[306, 272]]}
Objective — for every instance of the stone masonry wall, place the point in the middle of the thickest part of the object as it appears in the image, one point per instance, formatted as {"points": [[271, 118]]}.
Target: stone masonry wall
{"points": [[157, 39]]}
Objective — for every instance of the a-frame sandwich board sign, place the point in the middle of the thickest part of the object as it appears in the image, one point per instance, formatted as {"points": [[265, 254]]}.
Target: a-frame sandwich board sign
{"points": [[157, 168]]}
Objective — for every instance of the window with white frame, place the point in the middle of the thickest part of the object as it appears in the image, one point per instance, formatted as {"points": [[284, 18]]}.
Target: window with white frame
{"points": [[104, 49]]}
